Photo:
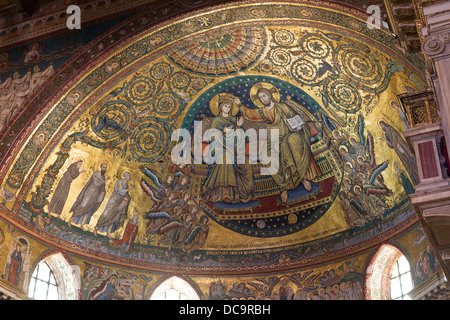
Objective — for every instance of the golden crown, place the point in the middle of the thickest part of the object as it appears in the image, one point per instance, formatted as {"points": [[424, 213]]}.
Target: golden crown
{"points": [[226, 98]]}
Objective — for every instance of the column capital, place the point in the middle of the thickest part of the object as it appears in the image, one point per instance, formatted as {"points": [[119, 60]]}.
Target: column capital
{"points": [[436, 16], [436, 46]]}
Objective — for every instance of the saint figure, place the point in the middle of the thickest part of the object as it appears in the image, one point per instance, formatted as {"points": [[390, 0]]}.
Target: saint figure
{"points": [[116, 209], [395, 141], [130, 233], [90, 198], [15, 267], [62, 189]]}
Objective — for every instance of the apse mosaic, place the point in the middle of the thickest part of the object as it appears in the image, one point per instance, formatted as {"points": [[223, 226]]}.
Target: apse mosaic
{"points": [[96, 174]]}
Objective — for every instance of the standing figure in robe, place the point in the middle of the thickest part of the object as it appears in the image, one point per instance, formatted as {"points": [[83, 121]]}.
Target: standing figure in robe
{"points": [[402, 115], [395, 141], [296, 162], [116, 209], [90, 198], [228, 182], [198, 236], [62, 189], [130, 233], [15, 267], [403, 179]]}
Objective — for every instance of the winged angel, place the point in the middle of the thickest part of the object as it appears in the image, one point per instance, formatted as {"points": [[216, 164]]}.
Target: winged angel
{"points": [[173, 215], [374, 182], [364, 191]]}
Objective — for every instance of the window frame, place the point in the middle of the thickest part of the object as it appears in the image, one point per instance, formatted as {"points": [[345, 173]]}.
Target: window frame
{"points": [[185, 289], [377, 279], [399, 276], [34, 281]]}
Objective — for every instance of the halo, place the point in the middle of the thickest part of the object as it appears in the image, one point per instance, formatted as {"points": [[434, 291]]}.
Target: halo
{"points": [[186, 215], [177, 208], [268, 86], [192, 206], [184, 193], [392, 102], [83, 162], [113, 276], [348, 163], [346, 179], [170, 192], [354, 136], [214, 105], [342, 147], [103, 162], [382, 120], [336, 131], [361, 174], [125, 171]]}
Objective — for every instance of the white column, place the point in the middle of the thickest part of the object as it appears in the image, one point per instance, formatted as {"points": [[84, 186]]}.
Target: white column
{"points": [[437, 49]]}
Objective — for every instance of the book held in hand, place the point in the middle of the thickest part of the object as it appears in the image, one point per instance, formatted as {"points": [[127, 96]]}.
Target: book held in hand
{"points": [[296, 122]]}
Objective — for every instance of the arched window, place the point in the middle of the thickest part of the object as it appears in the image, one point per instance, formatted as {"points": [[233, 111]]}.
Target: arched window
{"points": [[388, 275], [43, 285], [401, 279], [175, 288], [55, 279]]}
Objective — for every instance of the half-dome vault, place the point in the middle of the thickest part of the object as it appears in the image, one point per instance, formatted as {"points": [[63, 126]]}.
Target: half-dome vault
{"points": [[100, 167]]}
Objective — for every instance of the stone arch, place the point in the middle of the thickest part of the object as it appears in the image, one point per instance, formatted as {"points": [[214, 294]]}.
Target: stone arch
{"points": [[378, 271], [67, 275]]}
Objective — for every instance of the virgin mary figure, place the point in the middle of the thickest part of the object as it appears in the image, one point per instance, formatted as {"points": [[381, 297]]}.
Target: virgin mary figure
{"points": [[227, 181]]}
